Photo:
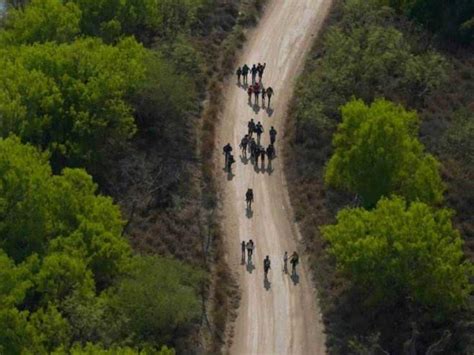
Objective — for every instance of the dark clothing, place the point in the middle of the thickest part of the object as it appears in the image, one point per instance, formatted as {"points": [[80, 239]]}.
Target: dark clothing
{"points": [[270, 151], [273, 134], [227, 148], [249, 195], [260, 69], [251, 127], [266, 265]]}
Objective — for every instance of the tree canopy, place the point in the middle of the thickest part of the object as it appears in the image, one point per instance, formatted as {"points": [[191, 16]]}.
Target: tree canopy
{"points": [[452, 19], [71, 98], [377, 153], [402, 250], [41, 21], [66, 272]]}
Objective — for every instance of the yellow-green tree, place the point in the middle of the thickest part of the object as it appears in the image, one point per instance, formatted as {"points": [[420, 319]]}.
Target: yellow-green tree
{"points": [[400, 250], [377, 153], [41, 21]]}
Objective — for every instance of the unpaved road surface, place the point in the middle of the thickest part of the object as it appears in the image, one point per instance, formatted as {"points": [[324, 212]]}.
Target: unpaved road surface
{"points": [[280, 316]]}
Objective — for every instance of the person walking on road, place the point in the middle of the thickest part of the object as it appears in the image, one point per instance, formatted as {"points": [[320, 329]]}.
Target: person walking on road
{"points": [[273, 134], [251, 127], [226, 151], [264, 92], [250, 246], [262, 156], [259, 131], [253, 149], [256, 91], [230, 161], [253, 71], [266, 265], [243, 145], [295, 259], [270, 152], [249, 198], [260, 69], [238, 72], [249, 93], [269, 94], [285, 262], [245, 73]]}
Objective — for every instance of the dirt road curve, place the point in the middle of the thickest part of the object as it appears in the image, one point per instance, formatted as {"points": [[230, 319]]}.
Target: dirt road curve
{"points": [[280, 317]]}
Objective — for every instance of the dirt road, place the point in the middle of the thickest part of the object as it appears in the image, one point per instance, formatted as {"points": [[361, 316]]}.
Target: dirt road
{"points": [[280, 316]]}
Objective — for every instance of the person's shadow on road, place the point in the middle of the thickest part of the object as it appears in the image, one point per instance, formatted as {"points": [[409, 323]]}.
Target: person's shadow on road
{"points": [[295, 278], [270, 167], [230, 175], [250, 266], [255, 167], [269, 111], [244, 159], [266, 283], [248, 212], [256, 108]]}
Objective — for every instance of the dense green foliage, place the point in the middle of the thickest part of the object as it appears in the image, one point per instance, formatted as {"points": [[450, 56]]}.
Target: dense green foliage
{"points": [[42, 21], [63, 20], [66, 273], [376, 86], [110, 18], [368, 57], [377, 152], [112, 86], [70, 98], [399, 250], [453, 19]]}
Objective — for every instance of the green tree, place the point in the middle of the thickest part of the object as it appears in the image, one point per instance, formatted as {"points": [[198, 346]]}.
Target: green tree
{"points": [[402, 250], [70, 98], [158, 297], [165, 18], [41, 213], [42, 21], [452, 19], [376, 153]]}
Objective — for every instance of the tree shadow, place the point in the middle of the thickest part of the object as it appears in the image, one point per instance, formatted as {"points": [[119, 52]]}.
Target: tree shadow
{"points": [[248, 212], [266, 283], [250, 266], [269, 111]]}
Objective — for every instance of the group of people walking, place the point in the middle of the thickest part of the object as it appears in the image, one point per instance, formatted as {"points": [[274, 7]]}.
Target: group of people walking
{"points": [[251, 143], [256, 88], [248, 247]]}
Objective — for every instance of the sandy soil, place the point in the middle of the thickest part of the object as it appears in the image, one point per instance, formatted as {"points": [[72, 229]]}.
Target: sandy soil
{"points": [[280, 316]]}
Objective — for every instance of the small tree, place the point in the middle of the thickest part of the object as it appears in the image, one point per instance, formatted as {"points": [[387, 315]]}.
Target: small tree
{"points": [[377, 153], [399, 250]]}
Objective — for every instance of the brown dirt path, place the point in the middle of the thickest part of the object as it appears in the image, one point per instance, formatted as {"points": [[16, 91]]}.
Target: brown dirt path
{"points": [[282, 316]]}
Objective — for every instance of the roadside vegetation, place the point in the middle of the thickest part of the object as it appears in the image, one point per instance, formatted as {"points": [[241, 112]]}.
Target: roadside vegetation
{"points": [[103, 98], [379, 164]]}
